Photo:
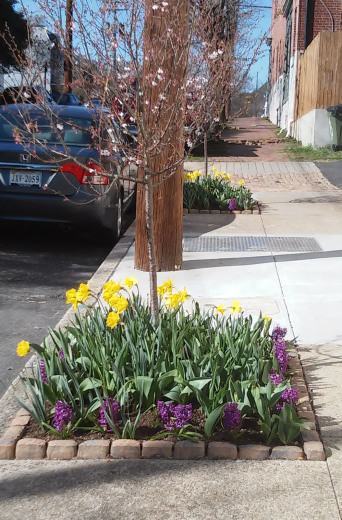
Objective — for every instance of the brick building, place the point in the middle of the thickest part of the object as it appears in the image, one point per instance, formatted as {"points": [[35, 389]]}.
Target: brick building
{"points": [[295, 24]]}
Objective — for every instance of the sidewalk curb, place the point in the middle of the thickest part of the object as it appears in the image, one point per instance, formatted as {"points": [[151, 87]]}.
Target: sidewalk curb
{"points": [[8, 403]]}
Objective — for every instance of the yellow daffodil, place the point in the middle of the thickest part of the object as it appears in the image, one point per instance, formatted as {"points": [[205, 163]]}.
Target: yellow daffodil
{"points": [[227, 176], [169, 285], [173, 301], [109, 289], [161, 290], [76, 297], [165, 287], [241, 182], [113, 319], [83, 292], [113, 300], [214, 169], [191, 176], [121, 305], [71, 297], [129, 282], [220, 309], [235, 307], [183, 295], [266, 318], [23, 348]]}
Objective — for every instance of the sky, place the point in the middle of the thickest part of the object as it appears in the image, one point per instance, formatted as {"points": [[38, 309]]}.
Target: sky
{"points": [[259, 71]]}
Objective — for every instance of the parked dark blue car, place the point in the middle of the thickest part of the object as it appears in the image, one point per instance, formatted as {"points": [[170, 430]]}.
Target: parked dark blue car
{"points": [[58, 164]]}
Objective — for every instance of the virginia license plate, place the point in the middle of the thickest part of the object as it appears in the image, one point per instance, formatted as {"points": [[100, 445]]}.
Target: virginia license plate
{"points": [[25, 178]]}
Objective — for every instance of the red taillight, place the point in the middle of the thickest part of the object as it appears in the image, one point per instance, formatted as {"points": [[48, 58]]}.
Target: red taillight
{"points": [[73, 168], [92, 174]]}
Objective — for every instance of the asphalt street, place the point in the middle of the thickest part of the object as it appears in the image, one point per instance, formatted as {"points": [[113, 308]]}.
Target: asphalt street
{"points": [[332, 171], [38, 264]]}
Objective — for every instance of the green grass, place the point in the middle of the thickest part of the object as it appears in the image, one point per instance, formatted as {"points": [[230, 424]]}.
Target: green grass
{"points": [[297, 152], [281, 132], [194, 158]]}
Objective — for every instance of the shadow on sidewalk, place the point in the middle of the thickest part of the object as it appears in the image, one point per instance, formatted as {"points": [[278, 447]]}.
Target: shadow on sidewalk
{"points": [[254, 260], [320, 385], [82, 474], [225, 149]]}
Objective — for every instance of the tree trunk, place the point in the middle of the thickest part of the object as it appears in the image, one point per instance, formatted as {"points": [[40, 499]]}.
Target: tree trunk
{"points": [[151, 250], [205, 145], [165, 59]]}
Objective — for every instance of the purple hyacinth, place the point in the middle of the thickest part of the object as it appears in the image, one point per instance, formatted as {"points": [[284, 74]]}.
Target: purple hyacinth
{"points": [[43, 371], [172, 416], [290, 396], [231, 416], [115, 410], [232, 204], [183, 413], [276, 379], [62, 416], [281, 354], [278, 333], [61, 353]]}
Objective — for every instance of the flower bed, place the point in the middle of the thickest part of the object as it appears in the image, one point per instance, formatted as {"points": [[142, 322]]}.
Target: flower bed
{"points": [[214, 192], [113, 377]]}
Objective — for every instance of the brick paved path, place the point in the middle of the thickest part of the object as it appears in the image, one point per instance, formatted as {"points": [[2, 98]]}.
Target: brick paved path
{"points": [[249, 129], [259, 139]]}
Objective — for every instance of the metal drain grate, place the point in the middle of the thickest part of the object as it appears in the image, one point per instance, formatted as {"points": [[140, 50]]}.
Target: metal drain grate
{"points": [[212, 243]]}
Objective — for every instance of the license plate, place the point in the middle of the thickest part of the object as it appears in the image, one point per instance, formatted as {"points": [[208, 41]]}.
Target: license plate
{"points": [[25, 178]]}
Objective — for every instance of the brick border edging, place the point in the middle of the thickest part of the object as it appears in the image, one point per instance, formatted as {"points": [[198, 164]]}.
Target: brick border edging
{"points": [[14, 446], [256, 210]]}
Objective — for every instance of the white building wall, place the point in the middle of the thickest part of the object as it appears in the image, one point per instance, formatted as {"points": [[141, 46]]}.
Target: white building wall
{"points": [[280, 112], [292, 92], [275, 101], [313, 129]]}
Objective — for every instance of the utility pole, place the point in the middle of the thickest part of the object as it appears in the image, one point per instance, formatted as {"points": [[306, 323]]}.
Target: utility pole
{"points": [[256, 95], [68, 45], [167, 56]]}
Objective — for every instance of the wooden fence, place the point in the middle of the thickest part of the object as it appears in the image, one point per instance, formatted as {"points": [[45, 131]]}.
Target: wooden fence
{"points": [[319, 74]]}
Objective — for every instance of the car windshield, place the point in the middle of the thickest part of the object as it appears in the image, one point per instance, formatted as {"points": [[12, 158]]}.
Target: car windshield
{"points": [[73, 132]]}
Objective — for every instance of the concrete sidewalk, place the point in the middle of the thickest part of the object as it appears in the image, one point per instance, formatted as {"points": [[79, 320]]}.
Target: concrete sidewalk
{"points": [[286, 262]]}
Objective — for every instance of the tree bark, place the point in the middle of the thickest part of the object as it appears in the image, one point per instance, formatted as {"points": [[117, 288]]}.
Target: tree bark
{"points": [[163, 134], [205, 145], [151, 250]]}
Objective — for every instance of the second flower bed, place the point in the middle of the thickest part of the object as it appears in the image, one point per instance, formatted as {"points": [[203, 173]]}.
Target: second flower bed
{"points": [[215, 192]]}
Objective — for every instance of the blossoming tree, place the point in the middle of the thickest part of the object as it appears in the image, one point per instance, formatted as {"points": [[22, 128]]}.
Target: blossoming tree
{"points": [[155, 66]]}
